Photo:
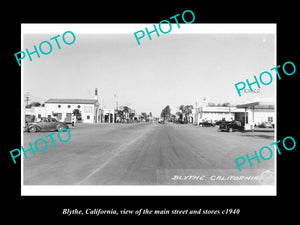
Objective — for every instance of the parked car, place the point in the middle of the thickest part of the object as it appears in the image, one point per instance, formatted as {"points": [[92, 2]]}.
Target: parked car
{"points": [[46, 124], [206, 124], [230, 126], [161, 121], [218, 122], [265, 125]]}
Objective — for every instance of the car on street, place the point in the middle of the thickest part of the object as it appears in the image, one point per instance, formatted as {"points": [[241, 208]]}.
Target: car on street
{"points": [[179, 121], [218, 122], [45, 124], [230, 126], [161, 121], [265, 125]]}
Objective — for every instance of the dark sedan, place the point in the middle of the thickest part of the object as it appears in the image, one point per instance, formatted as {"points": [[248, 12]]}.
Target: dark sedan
{"points": [[46, 124], [230, 126]]}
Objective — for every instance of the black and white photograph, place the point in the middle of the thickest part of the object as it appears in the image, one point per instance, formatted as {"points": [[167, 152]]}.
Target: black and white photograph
{"points": [[149, 111], [106, 113]]}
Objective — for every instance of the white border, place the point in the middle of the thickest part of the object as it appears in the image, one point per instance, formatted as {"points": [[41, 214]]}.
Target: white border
{"points": [[159, 190]]}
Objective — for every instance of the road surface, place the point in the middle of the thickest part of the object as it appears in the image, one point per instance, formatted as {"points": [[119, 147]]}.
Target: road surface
{"points": [[146, 154]]}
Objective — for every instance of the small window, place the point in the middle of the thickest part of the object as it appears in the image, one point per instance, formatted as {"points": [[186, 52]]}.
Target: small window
{"points": [[78, 106], [69, 106], [88, 117], [270, 119], [58, 106]]}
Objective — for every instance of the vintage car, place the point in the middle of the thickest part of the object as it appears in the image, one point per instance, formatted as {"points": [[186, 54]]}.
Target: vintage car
{"points": [[266, 125], [45, 124], [161, 121], [230, 126]]}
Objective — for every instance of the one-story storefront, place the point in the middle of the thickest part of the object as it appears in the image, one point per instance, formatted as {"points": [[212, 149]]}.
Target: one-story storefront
{"points": [[250, 114], [257, 112], [213, 114], [63, 109]]}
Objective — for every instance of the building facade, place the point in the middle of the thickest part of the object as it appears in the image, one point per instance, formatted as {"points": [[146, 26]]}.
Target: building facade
{"points": [[63, 109], [250, 114], [258, 112], [213, 114]]}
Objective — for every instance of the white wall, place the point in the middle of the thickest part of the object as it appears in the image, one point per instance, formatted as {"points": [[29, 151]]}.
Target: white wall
{"points": [[259, 116], [87, 110], [36, 111], [217, 116]]}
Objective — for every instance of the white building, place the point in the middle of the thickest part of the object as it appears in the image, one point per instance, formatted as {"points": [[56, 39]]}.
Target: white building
{"points": [[62, 109], [251, 113], [213, 114], [37, 111], [258, 111]]}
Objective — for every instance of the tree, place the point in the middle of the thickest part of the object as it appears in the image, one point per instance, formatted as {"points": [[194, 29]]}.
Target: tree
{"points": [[226, 104], [124, 113], [211, 104], [186, 110], [33, 104], [166, 112], [77, 114], [144, 116], [131, 115]]}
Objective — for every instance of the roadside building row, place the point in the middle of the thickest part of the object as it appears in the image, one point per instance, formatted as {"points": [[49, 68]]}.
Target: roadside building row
{"points": [[85, 110], [250, 114]]}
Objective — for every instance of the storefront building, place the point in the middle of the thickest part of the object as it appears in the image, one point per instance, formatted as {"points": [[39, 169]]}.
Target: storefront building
{"points": [[63, 109]]}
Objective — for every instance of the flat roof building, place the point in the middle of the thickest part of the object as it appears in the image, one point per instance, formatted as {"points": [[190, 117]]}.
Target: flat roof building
{"points": [[258, 111], [63, 109]]}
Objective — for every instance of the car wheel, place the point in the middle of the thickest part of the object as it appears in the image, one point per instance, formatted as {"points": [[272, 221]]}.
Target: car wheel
{"points": [[32, 129], [230, 130], [59, 128]]}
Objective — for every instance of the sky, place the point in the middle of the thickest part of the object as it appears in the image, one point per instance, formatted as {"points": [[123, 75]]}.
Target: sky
{"points": [[172, 69]]}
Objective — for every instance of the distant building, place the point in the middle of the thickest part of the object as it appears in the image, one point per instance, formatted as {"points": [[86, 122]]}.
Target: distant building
{"points": [[212, 113]]}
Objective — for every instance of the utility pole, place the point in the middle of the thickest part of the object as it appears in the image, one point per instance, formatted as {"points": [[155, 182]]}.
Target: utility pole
{"points": [[26, 97], [116, 99], [196, 114]]}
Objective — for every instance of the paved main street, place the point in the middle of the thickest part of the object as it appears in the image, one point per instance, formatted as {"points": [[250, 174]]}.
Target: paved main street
{"points": [[146, 154]]}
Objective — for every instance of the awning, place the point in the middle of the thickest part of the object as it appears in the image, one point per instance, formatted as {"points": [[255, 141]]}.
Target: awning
{"points": [[257, 105]]}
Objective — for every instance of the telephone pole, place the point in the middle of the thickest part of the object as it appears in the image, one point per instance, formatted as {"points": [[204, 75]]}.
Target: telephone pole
{"points": [[26, 97]]}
